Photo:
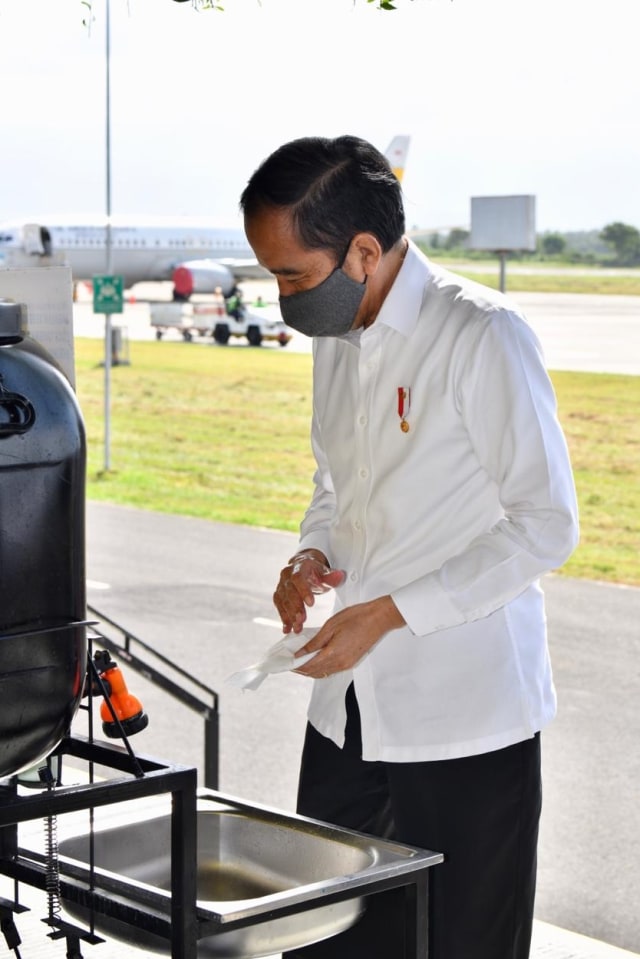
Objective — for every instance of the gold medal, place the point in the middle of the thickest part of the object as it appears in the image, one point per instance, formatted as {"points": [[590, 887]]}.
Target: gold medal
{"points": [[404, 405]]}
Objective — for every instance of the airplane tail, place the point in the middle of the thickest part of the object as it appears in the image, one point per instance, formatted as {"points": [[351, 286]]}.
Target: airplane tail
{"points": [[396, 154]]}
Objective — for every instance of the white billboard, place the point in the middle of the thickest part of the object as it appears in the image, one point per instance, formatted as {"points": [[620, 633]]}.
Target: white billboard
{"points": [[503, 223]]}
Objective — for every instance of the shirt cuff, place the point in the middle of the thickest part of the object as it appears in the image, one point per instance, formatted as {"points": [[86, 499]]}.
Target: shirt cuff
{"points": [[426, 607]]}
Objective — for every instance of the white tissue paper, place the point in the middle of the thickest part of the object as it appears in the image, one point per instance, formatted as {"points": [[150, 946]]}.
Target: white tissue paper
{"points": [[279, 658]]}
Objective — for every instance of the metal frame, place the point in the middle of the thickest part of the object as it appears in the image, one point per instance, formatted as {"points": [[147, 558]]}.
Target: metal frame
{"points": [[180, 928], [137, 654], [408, 880], [177, 918]]}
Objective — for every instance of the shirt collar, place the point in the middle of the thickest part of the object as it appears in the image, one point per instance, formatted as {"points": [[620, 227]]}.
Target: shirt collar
{"points": [[402, 303]]}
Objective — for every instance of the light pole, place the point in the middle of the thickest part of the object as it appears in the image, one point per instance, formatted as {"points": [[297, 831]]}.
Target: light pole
{"points": [[108, 244]]}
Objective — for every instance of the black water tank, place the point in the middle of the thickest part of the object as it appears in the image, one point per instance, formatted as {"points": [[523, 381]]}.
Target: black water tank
{"points": [[42, 548]]}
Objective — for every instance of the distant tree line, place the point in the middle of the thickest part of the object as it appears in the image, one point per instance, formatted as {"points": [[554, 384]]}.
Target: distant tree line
{"points": [[625, 240], [617, 244]]}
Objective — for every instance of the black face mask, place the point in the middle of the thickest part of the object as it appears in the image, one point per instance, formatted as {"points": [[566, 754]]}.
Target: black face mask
{"points": [[328, 309]]}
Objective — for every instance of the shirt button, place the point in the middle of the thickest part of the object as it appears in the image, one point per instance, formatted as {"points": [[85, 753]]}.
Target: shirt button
{"points": [[353, 577], [357, 524], [364, 472], [362, 420]]}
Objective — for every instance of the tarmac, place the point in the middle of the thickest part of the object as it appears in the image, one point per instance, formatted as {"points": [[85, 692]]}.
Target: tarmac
{"points": [[578, 331]]}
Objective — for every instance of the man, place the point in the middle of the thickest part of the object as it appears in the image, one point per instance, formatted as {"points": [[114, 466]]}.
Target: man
{"points": [[443, 491]]}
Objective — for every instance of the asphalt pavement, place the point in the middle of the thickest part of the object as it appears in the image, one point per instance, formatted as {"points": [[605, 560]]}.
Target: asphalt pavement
{"points": [[200, 592]]}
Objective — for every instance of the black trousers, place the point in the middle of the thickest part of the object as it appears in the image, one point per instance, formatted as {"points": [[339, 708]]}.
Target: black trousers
{"points": [[482, 812]]}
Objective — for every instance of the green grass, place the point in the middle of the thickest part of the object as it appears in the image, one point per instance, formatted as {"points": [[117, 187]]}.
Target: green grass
{"points": [[559, 283], [541, 277], [599, 413], [216, 433], [223, 434]]}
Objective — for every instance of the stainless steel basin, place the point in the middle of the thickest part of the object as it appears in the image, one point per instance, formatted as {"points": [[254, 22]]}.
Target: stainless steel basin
{"points": [[250, 861]]}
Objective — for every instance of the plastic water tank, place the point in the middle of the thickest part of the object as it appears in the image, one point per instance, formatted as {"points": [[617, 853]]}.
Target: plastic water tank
{"points": [[42, 548]]}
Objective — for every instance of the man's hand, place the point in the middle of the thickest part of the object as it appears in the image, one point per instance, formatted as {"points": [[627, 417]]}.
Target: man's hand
{"points": [[307, 573], [348, 635]]}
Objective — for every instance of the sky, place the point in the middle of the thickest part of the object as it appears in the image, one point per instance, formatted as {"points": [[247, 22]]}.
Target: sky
{"points": [[500, 97]]}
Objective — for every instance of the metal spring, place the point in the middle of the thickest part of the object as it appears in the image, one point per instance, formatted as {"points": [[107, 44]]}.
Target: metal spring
{"points": [[52, 874]]}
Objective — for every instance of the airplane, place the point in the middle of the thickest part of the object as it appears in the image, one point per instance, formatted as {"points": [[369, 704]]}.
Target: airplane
{"points": [[197, 256]]}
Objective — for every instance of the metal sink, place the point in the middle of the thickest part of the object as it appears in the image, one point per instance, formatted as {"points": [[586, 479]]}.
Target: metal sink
{"points": [[254, 864]]}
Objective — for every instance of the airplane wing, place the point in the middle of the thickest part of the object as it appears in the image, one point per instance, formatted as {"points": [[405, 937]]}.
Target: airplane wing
{"points": [[245, 269], [208, 275]]}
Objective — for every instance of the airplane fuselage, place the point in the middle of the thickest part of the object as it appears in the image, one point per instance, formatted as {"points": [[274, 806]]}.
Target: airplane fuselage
{"points": [[138, 252]]}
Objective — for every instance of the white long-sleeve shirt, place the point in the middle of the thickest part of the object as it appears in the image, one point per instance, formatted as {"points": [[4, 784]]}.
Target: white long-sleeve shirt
{"points": [[456, 518]]}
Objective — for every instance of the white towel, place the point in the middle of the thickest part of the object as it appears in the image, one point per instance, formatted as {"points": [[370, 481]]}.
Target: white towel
{"points": [[278, 659]]}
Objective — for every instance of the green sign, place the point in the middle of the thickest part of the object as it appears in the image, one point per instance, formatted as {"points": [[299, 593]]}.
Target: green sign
{"points": [[108, 294]]}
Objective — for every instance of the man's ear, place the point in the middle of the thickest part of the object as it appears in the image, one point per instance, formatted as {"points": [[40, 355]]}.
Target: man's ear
{"points": [[364, 256]]}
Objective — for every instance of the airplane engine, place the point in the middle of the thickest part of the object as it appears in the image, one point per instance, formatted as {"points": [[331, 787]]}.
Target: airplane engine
{"points": [[201, 276], [36, 240], [28, 239]]}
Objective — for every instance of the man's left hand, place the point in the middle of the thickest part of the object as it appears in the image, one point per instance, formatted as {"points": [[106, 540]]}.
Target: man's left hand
{"points": [[348, 635]]}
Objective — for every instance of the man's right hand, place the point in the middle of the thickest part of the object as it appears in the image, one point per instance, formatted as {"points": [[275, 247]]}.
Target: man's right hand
{"points": [[307, 573]]}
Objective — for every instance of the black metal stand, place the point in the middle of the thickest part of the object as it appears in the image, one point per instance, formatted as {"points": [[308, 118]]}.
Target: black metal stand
{"points": [[178, 919], [179, 927]]}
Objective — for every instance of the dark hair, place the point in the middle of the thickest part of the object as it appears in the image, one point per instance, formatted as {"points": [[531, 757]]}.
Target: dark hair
{"points": [[335, 188]]}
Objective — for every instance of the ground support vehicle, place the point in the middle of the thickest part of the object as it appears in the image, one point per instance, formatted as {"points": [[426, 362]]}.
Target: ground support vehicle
{"points": [[258, 324], [186, 318]]}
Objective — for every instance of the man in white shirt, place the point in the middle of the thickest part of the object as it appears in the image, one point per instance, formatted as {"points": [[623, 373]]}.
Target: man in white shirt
{"points": [[443, 491]]}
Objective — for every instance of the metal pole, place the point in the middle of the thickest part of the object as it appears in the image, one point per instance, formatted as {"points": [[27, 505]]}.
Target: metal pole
{"points": [[211, 750], [503, 261], [184, 871], [109, 263]]}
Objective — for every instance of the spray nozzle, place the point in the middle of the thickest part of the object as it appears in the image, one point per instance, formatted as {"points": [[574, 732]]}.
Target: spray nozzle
{"points": [[127, 708]]}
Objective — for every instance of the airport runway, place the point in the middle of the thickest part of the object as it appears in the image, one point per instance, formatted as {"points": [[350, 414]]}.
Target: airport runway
{"points": [[578, 331]]}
